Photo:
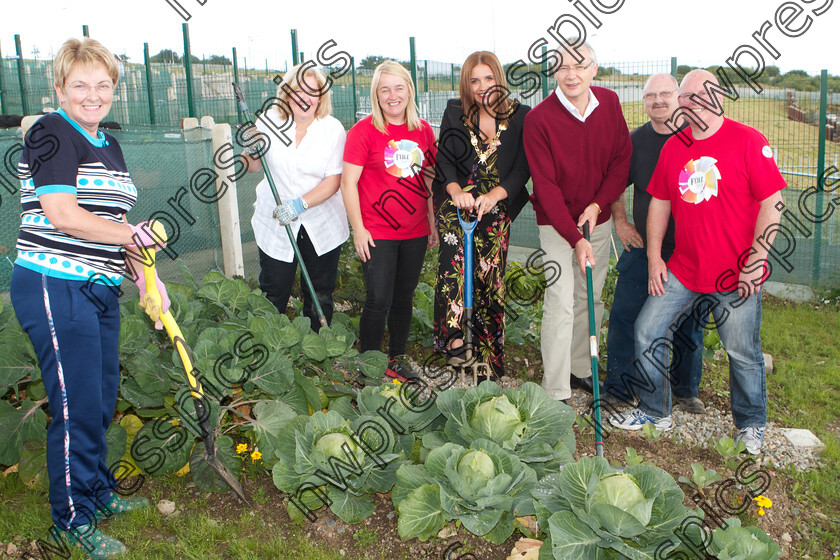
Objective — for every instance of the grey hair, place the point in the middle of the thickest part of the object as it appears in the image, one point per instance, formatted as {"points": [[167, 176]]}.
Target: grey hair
{"points": [[592, 55], [673, 79]]}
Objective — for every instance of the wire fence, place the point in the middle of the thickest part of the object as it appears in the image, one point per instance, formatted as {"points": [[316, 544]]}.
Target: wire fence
{"points": [[152, 98]]}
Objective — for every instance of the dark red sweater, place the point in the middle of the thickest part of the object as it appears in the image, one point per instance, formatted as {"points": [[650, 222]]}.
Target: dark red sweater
{"points": [[574, 163]]}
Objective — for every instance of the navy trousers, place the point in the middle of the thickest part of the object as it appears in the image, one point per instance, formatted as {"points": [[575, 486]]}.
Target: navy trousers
{"points": [[74, 327]]}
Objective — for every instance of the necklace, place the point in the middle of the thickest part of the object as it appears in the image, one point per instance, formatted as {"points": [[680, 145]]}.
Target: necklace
{"points": [[491, 146]]}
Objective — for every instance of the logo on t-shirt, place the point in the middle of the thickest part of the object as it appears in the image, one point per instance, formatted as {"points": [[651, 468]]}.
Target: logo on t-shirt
{"points": [[699, 180], [401, 157]]}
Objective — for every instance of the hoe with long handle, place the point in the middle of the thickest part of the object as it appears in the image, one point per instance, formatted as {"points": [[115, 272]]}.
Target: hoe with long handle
{"points": [[593, 351], [240, 98]]}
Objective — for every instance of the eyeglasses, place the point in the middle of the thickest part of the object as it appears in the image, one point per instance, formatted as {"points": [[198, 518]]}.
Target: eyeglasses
{"points": [[702, 94], [667, 94], [578, 68], [81, 88]]}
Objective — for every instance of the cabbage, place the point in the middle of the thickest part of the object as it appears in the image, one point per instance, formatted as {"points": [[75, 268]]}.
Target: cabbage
{"points": [[622, 491], [477, 467], [483, 487], [497, 419], [524, 421], [736, 542], [592, 512], [345, 460], [332, 445]]}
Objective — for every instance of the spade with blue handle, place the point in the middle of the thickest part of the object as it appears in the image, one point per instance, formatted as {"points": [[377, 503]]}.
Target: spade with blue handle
{"points": [[470, 363]]}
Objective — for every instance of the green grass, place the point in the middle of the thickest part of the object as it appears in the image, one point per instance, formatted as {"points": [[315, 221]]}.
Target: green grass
{"points": [[803, 392], [193, 535]]}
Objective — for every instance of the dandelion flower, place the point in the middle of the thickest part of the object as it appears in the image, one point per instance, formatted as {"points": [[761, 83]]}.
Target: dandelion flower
{"points": [[256, 456], [242, 448], [760, 512], [763, 501]]}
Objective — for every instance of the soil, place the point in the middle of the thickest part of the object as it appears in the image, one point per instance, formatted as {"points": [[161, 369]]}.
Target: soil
{"points": [[269, 504]]}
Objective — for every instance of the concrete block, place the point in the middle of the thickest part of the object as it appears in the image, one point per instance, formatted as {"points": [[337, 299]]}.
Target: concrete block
{"points": [[792, 292], [768, 363], [801, 438]]}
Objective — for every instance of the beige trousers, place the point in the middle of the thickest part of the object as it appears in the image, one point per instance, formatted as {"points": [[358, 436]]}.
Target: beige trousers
{"points": [[564, 337]]}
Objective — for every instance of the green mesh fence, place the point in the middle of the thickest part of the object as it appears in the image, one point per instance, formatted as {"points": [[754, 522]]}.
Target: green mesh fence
{"points": [[162, 159], [161, 163]]}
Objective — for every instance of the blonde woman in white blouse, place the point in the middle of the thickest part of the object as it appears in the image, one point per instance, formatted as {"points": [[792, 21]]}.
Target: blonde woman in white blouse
{"points": [[307, 173]]}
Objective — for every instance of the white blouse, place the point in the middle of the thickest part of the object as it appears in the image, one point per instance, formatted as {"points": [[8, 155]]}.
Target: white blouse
{"points": [[296, 171]]}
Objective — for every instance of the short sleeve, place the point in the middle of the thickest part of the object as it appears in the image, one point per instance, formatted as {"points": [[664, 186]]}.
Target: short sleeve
{"points": [[337, 141], [50, 159], [356, 147], [658, 186], [763, 172], [430, 143]]}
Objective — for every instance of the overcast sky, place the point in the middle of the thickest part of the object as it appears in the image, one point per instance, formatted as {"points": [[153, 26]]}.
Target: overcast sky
{"points": [[697, 32]]}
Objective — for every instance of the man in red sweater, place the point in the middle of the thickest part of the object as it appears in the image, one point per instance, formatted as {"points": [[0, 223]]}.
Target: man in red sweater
{"points": [[578, 149]]}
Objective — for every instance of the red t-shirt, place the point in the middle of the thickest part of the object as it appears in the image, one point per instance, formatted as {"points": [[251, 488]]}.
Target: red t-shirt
{"points": [[392, 193], [715, 187]]}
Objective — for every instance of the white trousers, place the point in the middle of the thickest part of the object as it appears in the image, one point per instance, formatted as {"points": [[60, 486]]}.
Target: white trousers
{"points": [[564, 337]]}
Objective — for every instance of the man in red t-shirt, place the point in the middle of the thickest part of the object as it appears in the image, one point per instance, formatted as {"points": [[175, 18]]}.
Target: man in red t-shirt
{"points": [[724, 189]]}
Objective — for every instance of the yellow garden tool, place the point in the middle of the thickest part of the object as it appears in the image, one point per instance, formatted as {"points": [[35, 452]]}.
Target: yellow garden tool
{"points": [[152, 304]]}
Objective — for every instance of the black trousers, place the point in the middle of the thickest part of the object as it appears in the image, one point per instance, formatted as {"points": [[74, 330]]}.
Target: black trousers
{"points": [[277, 278], [391, 276]]}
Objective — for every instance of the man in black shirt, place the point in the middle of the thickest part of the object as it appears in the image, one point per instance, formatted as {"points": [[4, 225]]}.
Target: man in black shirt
{"points": [[631, 291]]}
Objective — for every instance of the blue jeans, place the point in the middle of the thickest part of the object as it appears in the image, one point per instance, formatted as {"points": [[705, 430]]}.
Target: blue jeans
{"points": [[631, 292], [738, 322]]}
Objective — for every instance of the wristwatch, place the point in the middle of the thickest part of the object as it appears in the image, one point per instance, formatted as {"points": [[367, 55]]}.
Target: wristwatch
{"points": [[304, 203]]}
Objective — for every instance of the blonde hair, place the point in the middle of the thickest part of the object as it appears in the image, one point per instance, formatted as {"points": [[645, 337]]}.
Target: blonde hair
{"points": [[412, 118], [292, 81], [468, 100], [87, 52]]}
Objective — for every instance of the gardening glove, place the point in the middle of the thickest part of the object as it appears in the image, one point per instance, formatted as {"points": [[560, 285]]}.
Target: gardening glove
{"points": [[288, 212], [143, 236], [154, 309]]}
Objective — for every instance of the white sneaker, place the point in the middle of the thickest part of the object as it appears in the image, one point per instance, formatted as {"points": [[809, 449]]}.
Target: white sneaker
{"points": [[753, 438], [634, 419]]}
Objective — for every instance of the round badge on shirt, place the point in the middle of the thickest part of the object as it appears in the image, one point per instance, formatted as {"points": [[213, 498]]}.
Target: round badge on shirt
{"points": [[767, 151]]}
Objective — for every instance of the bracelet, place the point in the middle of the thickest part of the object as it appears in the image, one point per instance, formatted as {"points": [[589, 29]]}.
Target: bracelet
{"points": [[597, 206]]}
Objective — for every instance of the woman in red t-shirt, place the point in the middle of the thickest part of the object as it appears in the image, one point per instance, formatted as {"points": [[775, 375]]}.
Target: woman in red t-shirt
{"points": [[386, 195]]}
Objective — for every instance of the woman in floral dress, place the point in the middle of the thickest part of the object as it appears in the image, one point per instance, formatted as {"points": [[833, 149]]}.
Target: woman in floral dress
{"points": [[482, 171]]}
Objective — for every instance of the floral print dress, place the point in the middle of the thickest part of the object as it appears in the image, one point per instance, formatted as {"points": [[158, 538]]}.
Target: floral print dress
{"points": [[490, 247]]}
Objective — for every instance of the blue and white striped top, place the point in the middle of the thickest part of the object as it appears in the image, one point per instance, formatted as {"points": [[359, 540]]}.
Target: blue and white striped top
{"points": [[59, 156]]}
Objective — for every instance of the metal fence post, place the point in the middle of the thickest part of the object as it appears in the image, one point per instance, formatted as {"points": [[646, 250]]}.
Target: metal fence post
{"points": [[544, 73], [413, 56], [2, 91], [188, 69], [355, 99], [236, 79], [820, 177], [426, 75], [452, 71], [85, 31], [19, 50], [294, 48], [149, 91], [674, 67]]}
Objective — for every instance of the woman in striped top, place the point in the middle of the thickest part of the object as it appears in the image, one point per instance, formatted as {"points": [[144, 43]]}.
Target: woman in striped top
{"points": [[71, 256]]}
